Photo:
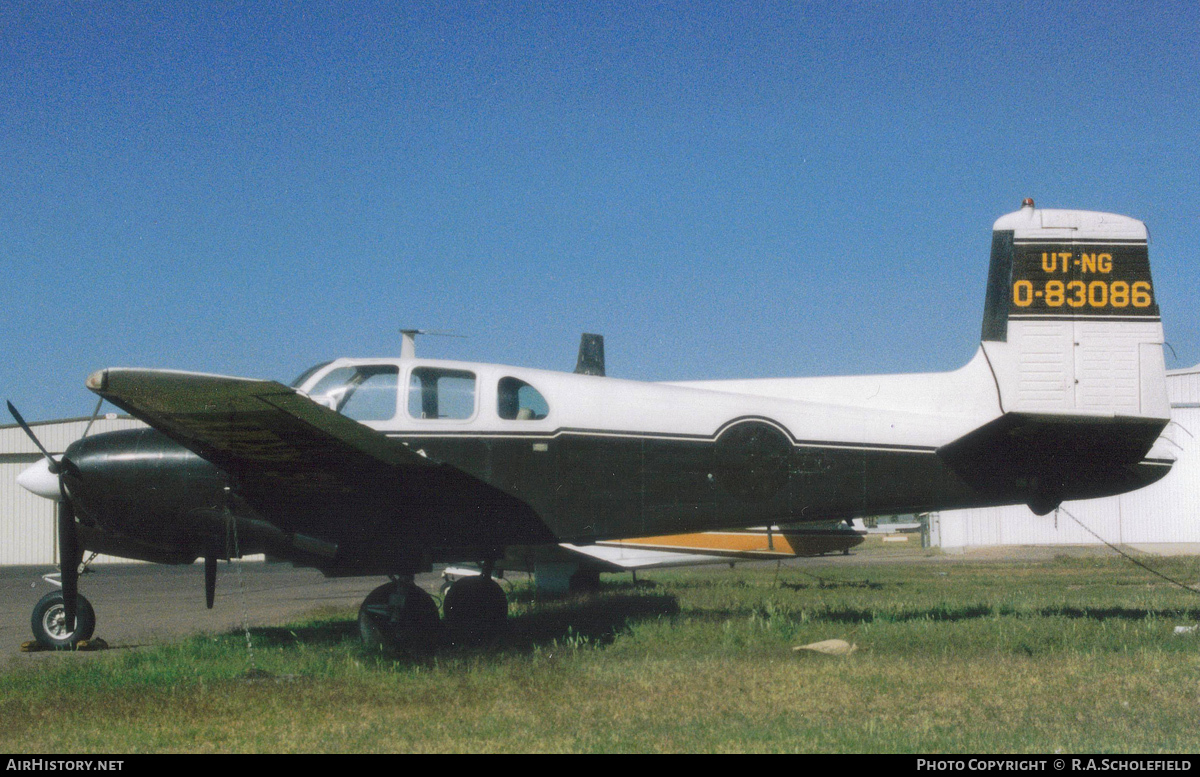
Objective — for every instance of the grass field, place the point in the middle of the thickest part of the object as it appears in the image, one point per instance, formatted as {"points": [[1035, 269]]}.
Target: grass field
{"points": [[1076, 655]]}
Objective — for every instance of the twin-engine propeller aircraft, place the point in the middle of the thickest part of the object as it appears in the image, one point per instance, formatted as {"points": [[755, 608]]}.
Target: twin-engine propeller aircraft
{"points": [[388, 466]]}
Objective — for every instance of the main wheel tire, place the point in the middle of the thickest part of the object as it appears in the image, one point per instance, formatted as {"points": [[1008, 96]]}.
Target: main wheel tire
{"points": [[410, 627], [476, 609], [49, 622]]}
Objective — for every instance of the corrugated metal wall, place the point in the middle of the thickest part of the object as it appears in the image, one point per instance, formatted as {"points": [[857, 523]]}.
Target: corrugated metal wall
{"points": [[27, 528], [1163, 512], [1183, 386], [27, 525]]}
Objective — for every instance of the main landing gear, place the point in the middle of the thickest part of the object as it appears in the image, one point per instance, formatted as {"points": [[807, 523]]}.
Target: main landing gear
{"points": [[475, 609], [398, 615], [401, 616]]}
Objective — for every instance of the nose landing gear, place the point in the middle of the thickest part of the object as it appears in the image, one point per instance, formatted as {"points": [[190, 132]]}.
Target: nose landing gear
{"points": [[49, 622]]}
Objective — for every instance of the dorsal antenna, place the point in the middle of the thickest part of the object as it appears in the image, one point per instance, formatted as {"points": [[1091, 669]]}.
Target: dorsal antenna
{"points": [[408, 340]]}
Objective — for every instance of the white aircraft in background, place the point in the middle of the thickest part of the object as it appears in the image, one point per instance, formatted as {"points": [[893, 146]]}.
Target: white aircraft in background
{"points": [[578, 567]]}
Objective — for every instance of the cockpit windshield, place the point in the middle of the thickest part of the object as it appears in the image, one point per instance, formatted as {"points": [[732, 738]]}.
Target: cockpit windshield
{"points": [[365, 392], [299, 381]]}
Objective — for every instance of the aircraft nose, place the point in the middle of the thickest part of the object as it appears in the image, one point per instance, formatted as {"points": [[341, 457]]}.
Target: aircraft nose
{"points": [[38, 479]]}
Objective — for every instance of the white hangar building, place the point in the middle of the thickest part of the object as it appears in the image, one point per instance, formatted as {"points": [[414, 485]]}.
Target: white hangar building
{"points": [[28, 529], [1165, 512]]}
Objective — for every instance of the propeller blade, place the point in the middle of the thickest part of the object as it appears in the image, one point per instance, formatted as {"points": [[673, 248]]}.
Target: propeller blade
{"points": [[69, 555], [210, 579], [29, 433]]}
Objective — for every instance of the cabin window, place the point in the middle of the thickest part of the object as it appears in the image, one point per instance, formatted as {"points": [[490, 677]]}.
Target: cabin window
{"points": [[364, 393], [439, 393], [518, 401]]}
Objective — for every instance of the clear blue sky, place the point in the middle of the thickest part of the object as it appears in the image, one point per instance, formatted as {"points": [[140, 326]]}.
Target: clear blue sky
{"points": [[721, 189]]}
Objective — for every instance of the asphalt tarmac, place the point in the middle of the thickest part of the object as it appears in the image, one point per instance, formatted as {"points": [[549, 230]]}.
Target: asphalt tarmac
{"points": [[145, 604]]}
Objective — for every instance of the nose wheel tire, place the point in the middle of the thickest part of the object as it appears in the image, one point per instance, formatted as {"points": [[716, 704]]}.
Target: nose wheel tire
{"points": [[398, 617], [49, 622]]}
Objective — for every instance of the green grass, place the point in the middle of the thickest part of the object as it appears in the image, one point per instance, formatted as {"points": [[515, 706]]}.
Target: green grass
{"points": [[1074, 655]]}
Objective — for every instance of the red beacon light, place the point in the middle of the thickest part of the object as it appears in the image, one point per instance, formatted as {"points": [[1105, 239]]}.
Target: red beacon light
{"points": [[1027, 202]]}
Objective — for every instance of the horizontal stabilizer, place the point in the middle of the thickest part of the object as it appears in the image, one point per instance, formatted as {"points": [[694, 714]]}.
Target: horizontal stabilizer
{"points": [[1050, 458]]}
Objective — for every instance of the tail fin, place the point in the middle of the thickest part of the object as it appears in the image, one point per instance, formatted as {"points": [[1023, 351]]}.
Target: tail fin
{"points": [[591, 355], [1073, 338], [1071, 324]]}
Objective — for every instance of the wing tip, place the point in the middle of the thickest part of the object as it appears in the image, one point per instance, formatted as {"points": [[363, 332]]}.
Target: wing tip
{"points": [[98, 380]]}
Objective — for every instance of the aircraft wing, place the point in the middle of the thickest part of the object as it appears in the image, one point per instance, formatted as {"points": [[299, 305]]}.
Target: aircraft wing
{"points": [[619, 558], [721, 547], [307, 469]]}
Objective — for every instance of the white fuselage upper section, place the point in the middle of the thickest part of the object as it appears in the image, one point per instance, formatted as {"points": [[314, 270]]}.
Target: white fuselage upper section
{"points": [[921, 411]]}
